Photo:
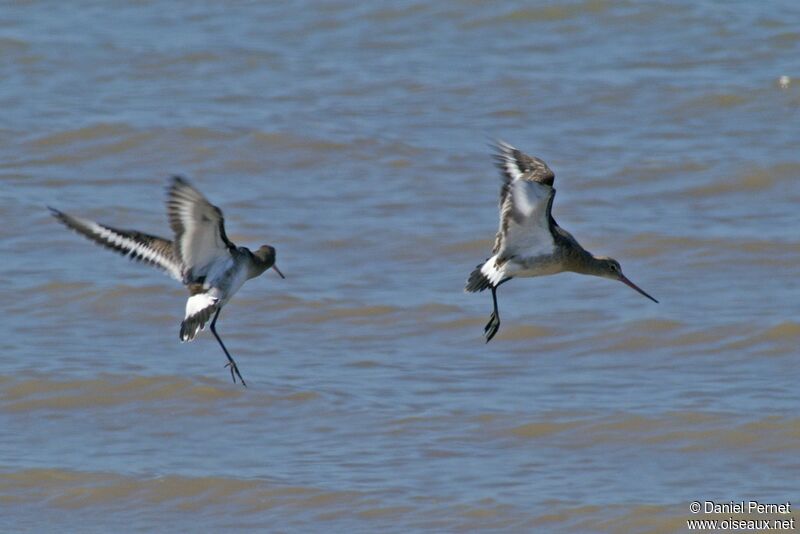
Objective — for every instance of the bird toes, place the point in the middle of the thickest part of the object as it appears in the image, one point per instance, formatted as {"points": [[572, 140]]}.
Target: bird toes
{"points": [[491, 327], [235, 369]]}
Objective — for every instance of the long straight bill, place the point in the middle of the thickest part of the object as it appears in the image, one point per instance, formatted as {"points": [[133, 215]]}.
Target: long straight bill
{"points": [[637, 288]]}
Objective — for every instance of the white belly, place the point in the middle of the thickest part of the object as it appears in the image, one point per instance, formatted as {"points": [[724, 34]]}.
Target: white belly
{"points": [[225, 279], [530, 267]]}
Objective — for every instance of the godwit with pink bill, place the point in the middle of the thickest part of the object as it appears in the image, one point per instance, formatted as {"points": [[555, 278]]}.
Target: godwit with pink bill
{"points": [[200, 256], [529, 242]]}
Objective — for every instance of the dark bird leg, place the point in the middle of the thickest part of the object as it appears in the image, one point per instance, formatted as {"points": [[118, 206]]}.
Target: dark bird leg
{"points": [[231, 363], [494, 320]]}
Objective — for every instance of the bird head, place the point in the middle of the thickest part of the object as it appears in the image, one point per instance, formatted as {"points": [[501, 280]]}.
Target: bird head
{"points": [[266, 256], [610, 268]]}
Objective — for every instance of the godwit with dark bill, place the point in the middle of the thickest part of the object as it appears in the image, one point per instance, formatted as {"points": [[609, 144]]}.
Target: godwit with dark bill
{"points": [[200, 256], [529, 241]]}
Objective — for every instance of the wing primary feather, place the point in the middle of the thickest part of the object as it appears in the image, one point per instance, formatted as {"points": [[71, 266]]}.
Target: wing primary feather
{"points": [[514, 164], [199, 228], [526, 198], [138, 246]]}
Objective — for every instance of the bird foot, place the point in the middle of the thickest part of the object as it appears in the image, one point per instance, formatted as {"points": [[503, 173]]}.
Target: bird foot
{"points": [[491, 327], [235, 369]]}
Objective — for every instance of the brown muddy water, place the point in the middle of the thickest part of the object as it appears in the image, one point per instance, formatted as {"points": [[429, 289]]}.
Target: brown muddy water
{"points": [[354, 139]]}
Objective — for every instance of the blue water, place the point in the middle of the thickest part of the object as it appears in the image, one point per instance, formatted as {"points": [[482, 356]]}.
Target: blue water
{"points": [[355, 140]]}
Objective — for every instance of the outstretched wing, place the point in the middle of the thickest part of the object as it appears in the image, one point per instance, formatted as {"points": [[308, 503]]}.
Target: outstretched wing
{"points": [[516, 165], [526, 198], [199, 229], [138, 246]]}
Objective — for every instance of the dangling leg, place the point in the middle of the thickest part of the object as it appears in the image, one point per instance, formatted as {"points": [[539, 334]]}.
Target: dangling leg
{"points": [[494, 320], [231, 363]]}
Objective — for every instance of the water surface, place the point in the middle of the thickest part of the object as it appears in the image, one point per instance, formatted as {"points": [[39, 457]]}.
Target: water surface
{"points": [[354, 139]]}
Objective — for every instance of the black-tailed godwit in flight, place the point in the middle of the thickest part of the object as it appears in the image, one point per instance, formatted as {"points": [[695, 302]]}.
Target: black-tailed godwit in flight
{"points": [[529, 242], [200, 256]]}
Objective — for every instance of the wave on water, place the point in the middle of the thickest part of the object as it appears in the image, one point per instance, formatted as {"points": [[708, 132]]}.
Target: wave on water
{"points": [[651, 245], [44, 393], [75, 394], [614, 518], [359, 315], [519, 332], [779, 340], [685, 431], [755, 180], [478, 247], [546, 13], [78, 489], [248, 503], [94, 132], [717, 100]]}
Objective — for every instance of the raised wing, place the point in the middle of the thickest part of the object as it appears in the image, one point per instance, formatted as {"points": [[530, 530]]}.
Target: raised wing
{"points": [[516, 165], [525, 201], [137, 246], [199, 229]]}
